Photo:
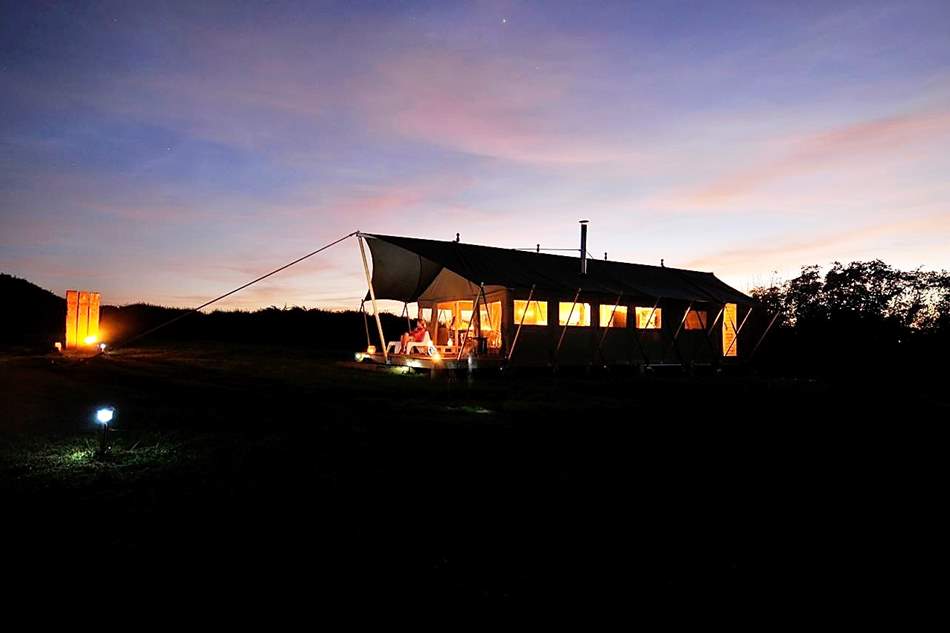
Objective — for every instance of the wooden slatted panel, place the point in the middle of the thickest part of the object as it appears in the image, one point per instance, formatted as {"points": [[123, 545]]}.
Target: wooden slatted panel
{"points": [[72, 314], [94, 314], [82, 325]]}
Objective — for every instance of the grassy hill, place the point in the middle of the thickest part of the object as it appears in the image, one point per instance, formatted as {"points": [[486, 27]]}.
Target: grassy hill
{"points": [[32, 315]]}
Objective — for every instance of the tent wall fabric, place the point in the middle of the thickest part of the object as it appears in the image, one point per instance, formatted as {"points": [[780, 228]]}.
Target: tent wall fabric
{"points": [[686, 305]]}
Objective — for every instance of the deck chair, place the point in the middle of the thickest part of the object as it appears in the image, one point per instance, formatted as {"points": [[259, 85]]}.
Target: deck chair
{"points": [[423, 347]]}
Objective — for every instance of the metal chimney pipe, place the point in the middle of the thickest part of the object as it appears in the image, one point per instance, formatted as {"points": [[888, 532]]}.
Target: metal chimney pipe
{"points": [[583, 224]]}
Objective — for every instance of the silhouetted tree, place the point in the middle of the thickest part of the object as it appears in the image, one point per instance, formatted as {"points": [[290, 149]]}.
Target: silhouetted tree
{"points": [[857, 318]]}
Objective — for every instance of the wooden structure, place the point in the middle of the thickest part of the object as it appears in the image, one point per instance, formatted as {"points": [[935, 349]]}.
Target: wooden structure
{"points": [[82, 319]]}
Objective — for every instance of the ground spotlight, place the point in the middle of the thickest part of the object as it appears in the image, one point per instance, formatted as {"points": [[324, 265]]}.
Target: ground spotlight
{"points": [[102, 347], [104, 416]]}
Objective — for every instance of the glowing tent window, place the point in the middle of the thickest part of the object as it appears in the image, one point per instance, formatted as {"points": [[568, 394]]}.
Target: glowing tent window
{"points": [[613, 318], [729, 332], [579, 316], [696, 320], [534, 314], [649, 318]]}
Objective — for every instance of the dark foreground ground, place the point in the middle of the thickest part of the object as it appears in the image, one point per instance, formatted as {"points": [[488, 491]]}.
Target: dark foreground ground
{"points": [[269, 471]]}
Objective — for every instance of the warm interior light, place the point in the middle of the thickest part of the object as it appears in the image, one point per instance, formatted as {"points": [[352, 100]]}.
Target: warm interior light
{"points": [[105, 415], [90, 340], [613, 316], [370, 349], [649, 318], [729, 331], [535, 313], [574, 314]]}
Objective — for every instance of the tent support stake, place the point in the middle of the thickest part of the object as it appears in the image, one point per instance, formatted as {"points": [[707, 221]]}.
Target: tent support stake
{"points": [[736, 338], [365, 321], [762, 338], [603, 337], [714, 355], [468, 326], [514, 342], [673, 345], [636, 330], [557, 352], [372, 296]]}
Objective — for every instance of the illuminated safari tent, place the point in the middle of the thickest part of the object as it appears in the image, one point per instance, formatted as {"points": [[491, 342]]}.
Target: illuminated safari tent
{"points": [[82, 319], [493, 306]]}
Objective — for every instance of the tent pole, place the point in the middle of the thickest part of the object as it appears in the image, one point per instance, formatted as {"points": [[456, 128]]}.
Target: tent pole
{"points": [[405, 311], [716, 320], [677, 333], [365, 321], [603, 336], [487, 311], [557, 352], [736, 338], [708, 332], [520, 323], [762, 338], [468, 326], [372, 296], [636, 329], [491, 325]]}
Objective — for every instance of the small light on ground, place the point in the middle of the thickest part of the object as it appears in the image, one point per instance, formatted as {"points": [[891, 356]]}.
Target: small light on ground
{"points": [[102, 347]]}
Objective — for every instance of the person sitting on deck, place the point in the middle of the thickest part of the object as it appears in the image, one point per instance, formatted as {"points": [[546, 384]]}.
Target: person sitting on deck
{"points": [[418, 335]]}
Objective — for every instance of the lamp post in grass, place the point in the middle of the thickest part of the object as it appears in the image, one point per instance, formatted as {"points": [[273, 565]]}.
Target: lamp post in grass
{"points": [[104, 416]]}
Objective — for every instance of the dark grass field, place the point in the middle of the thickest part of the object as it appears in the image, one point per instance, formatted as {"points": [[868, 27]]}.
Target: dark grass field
{"points": [[277, 470]]}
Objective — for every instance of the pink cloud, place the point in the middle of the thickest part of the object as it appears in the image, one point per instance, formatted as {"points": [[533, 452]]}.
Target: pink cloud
{"points": [[793, 252], [860, 141], [490, 107]]}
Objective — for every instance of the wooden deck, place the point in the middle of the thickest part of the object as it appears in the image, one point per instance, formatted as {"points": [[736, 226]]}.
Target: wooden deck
{"points": [[424, 361]]}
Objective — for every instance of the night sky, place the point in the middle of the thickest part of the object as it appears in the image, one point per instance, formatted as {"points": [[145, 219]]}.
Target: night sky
{"points": [[166, 152]]}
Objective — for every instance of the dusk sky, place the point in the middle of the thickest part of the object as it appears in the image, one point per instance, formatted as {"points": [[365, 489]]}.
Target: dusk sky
{"points": [[167, 152]]}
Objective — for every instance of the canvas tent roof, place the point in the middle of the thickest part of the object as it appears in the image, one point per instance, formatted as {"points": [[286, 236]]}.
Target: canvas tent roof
{"points": [[404, 268]]}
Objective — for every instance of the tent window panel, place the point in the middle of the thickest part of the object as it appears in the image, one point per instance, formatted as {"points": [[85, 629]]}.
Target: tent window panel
{"points": [[648, 318], [490, 316], [464, 314], [534, 314], [613, 318], [578, 317], [446, 315], [426, 313], [696, 320]]}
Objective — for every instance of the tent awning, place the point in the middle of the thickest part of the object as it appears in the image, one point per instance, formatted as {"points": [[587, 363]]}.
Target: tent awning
{"points": [[407, 269]]}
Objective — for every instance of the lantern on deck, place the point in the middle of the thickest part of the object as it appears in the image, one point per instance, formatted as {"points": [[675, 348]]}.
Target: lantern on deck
{"points": [[82, 319]]}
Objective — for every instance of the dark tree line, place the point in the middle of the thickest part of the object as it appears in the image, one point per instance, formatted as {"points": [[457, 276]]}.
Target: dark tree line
{"points": [[859, 318]]}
